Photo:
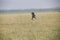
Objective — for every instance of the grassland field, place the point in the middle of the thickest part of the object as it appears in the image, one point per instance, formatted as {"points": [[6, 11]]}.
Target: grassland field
{"points": [[20, 26]]}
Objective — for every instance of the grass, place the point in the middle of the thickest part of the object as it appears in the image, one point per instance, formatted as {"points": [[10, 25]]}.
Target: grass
{"points": [[19, 26]]}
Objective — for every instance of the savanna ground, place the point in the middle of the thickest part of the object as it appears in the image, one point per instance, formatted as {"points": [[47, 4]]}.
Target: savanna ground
{"points": [[19, 26]]}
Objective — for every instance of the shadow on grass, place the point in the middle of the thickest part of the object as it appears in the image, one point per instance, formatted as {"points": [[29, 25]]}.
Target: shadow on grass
{"points": [[58, 35], [4, 37], [1, 36]]}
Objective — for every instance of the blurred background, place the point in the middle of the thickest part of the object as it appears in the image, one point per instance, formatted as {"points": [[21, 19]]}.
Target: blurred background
{"points": [[29, 4]]}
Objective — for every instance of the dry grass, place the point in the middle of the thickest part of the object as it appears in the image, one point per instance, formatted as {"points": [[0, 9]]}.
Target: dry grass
{"points": [[17, 26]]}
